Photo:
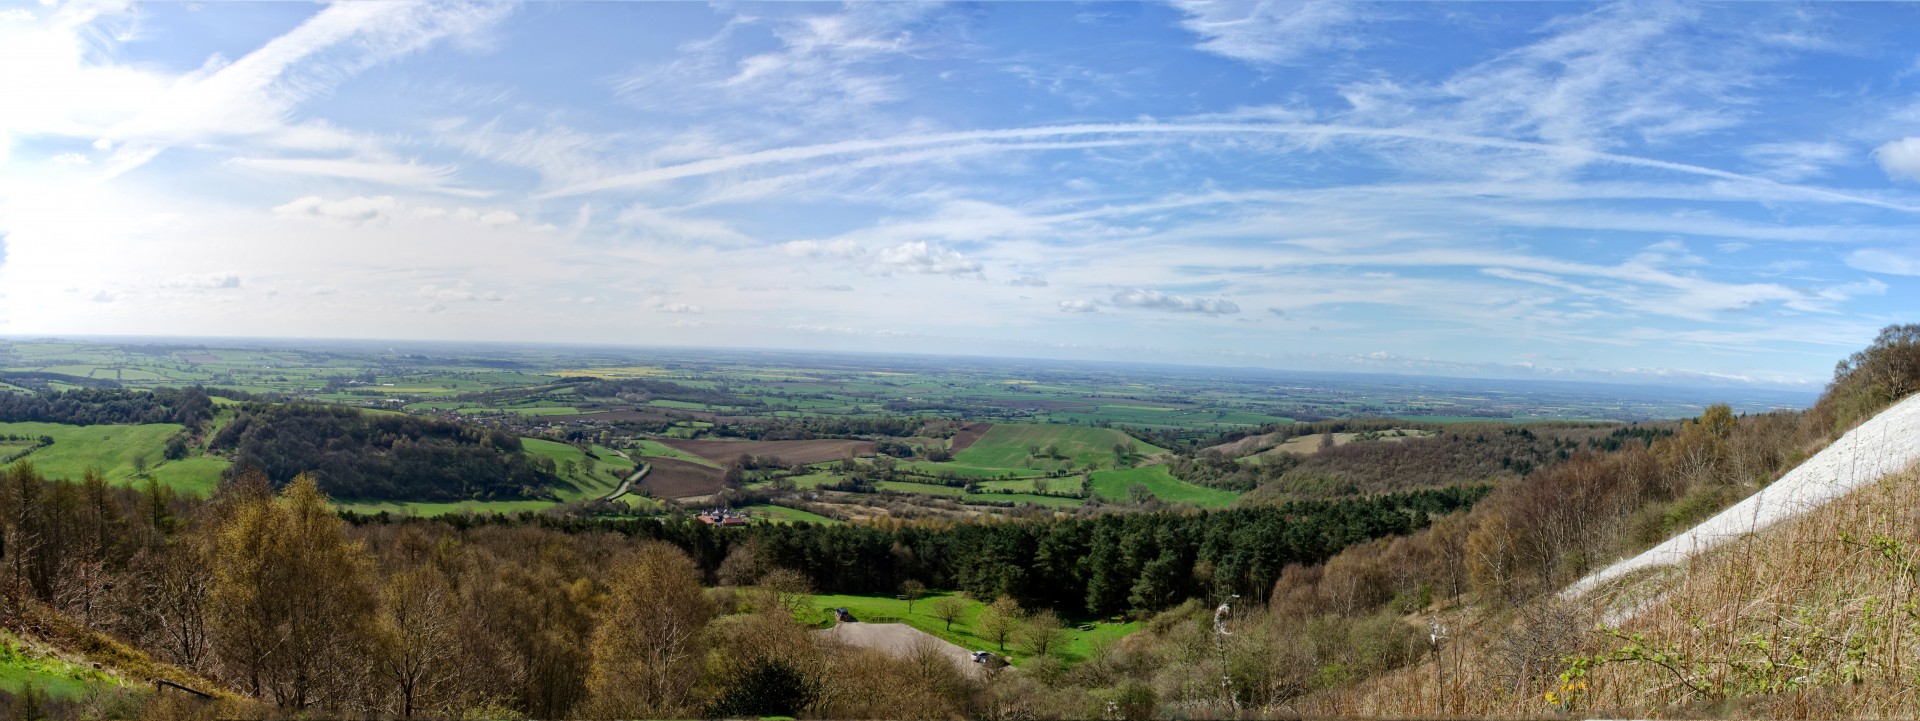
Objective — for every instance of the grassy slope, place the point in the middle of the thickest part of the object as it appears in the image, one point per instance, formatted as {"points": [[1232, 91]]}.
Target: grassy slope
{"points": [[1078, 645], [1114, 484], [1005, 445], [20, 668], [109, 448], [783, 514], [584, 486], [656, 448]]}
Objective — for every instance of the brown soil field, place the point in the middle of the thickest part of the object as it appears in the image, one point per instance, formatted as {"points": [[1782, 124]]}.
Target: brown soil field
{"points": [[815, 451], [968, 434], [675, 478]]}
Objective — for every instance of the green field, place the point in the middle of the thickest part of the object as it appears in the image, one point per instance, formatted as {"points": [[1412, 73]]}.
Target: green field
{"points": [[1076, 646], [1006, 446], [783, 514], [1114, 484], [608, 472], [110, 449], [656, 448], [20, 668], [198, 476]]}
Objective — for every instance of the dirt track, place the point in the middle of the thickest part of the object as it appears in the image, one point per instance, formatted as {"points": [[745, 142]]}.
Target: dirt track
{"points": [[898, 639]]}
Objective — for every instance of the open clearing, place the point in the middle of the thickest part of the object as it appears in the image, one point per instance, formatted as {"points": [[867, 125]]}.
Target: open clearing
{"points": [[111, 449], [898, 640], [814, 451], [1308, 445], [1075, 645]]}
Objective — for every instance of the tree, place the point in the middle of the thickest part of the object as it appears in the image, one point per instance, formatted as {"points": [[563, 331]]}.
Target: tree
{"points": [[1040, 632], [290, 599], [647, 648], [948, 609], [997, 621], [415, 634], [913, 590]]}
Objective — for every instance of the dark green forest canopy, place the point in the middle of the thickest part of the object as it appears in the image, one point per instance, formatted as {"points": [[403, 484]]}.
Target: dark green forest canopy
{"points": [[354, 454], [189, 407], [1098, 566]]}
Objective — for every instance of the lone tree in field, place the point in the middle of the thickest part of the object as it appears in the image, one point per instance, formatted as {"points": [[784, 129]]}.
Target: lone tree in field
{"points": [[913, 590], [948, 608], [998, 620], [1040, 632]]}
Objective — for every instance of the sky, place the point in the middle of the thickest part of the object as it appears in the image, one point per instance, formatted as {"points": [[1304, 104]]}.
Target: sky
{"points": [[1640, 192]]}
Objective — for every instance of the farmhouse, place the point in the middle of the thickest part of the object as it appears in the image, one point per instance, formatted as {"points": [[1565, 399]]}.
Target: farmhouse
{"points": [[724, 517]]}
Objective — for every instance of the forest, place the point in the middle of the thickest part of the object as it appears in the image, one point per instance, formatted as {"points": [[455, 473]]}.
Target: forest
{"points": [[354, 454], [191, 407]]}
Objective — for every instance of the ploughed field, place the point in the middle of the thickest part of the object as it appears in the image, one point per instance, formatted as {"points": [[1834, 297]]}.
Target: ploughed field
{"points": [[810, 451]]}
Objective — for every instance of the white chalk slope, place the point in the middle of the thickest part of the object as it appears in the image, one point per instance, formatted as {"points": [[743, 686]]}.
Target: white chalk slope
{"points": [[1888, 443]]}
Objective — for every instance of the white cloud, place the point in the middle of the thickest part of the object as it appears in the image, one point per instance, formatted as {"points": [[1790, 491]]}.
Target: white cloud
{"points": [[665, 306], [1028, 281], [350, 210], [409, 174], [1876, 260], [924, 258], [1078, 306], [1269, 32], [204, 281], [1900, 159], [1156, 300], [839, 249]]}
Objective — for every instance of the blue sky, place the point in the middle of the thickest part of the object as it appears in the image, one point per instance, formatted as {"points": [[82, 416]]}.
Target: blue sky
{"points": [[1630, 192]]}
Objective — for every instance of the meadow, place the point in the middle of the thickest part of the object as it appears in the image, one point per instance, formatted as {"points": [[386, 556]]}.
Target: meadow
{"points": [[1076, 645]]}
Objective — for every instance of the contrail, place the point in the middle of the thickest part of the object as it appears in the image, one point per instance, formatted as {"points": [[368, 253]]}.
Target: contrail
{"points": [[855, 147]]}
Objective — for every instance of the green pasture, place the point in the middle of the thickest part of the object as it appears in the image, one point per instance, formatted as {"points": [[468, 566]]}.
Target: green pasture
{"points": [[783, 514], [111, 449], [609, 469], [199, 475], [662, 450], [20, 668], [1006, 444], [1075, 646], [1114, 485]]}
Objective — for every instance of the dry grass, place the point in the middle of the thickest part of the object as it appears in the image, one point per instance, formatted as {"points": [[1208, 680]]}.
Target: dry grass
{"points": [[1815, 618]]}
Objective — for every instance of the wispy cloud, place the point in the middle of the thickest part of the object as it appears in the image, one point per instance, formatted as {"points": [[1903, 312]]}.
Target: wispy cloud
{"points": [[1156, 300], [1271, 32]]}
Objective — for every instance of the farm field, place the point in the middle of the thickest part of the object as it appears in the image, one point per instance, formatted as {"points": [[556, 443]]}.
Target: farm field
{"points": [[198, 476], [783, 514], [1007, 445], [1113, 485], [886, 609], [814, 451], [675, 478], [114, 450]]}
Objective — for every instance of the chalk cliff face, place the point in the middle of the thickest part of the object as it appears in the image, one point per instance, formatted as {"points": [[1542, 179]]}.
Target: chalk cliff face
{"points": [[1886, 444]]}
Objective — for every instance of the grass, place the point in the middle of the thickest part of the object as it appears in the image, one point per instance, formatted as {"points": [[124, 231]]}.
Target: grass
{"points": [[609, 471], [20, 668], [1114, 485], [1076, 646], [197, 476], [656, 448], [783, 514], [1006, 444], [111, 449]]}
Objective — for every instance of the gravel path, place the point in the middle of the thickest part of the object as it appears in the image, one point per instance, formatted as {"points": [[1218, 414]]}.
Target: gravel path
{"points": [[898, 639], [1887, 443]]}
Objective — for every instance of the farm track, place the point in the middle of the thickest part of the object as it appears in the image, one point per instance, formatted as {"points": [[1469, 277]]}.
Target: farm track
{"points": [[639, 473]]}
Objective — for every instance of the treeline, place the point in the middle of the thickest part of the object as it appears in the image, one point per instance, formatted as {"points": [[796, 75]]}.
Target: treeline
{"points": [[355, 454], [191, 407], [802, 429], [641, 390], [1103, 565], [1477, 452], [277, 599]]}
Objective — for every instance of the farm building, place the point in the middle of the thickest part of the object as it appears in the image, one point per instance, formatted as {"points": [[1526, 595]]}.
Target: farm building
{"points": [[725, 517]]}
